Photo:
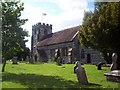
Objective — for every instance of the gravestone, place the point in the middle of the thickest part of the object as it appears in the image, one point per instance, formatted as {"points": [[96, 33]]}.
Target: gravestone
{"points": [[59, 60], [76, 65], [27, 59], [114, 64], [81, 75], [35, 58], [100, 65], [14, 60], [114, 74]]}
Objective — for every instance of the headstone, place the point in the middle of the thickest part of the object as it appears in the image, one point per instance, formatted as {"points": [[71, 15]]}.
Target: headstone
{"points": [[114, 64], [35, 58], [100, 65], [76, 65], [81, 75], [14, 60], [114, 74], [59, 60], [27, 59]]}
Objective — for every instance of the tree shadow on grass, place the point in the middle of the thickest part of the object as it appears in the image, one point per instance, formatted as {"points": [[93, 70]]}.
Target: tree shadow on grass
{"points": [[93, 84], [90, 86], [39, 81]]}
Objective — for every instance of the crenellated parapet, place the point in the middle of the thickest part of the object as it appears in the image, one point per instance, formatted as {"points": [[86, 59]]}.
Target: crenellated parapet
{"points": [[43, 25], [40, 31]]}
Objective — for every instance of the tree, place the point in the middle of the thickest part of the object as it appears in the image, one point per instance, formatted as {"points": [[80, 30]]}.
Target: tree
{"points": [[0, 33], [13, 36], [23, 54], [100, 30], [26, 53]]}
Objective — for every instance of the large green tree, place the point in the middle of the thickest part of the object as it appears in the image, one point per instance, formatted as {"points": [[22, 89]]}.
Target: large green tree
{"points": [[13, 36], [101, 29], [0, 32]]}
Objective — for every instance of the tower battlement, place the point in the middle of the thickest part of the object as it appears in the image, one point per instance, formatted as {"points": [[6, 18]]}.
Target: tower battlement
{"points": [[42, 25], [41, 30]]}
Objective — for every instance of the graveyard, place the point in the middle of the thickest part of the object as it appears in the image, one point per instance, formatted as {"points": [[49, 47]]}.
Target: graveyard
{"points": [[50, 75], [68, 48]]}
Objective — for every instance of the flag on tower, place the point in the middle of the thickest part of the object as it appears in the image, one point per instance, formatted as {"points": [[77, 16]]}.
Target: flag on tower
{"points": [[44, 14]]}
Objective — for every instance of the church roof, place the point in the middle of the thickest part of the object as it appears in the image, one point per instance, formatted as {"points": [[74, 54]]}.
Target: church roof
{"points": [[62, 36]]}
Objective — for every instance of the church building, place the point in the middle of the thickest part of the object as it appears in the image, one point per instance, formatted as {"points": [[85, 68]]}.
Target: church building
{"points": [[45, 45]]}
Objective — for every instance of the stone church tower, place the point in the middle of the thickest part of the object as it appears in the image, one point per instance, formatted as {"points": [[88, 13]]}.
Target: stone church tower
{"points": [[39, 32]]}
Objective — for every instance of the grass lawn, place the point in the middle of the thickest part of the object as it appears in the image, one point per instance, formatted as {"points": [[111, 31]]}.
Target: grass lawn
{"points": [[49, 75]]}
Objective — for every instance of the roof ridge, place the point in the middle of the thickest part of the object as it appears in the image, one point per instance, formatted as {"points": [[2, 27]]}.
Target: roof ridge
{"points": [[67, 29], [62, 36]]}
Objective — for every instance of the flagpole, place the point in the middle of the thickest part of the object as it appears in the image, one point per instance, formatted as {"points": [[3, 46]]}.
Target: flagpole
{"points": [[43, 14], [42, 17]]}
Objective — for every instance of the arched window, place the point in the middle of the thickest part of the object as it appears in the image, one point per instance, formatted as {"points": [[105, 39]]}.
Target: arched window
{"points": [[82, 53]]}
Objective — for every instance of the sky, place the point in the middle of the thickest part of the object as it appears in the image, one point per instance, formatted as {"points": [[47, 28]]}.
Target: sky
{"points": [[61, 14]]}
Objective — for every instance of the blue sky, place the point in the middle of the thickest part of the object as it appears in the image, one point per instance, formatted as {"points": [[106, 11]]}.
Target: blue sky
{"points": [[48, 5], [60, 13]]}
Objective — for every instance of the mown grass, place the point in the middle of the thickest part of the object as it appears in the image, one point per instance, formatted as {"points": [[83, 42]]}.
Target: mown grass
{"points": [[49, 75]]}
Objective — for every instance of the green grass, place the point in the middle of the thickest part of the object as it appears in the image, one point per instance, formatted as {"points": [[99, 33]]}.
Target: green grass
{"points": [[49, 75]]}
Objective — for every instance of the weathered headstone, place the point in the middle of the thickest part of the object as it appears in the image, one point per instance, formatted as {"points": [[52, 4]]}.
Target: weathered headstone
{"points": [[114, 64], [76, 65], [100, 65], [35, 58], [14, 60], [81, 75], [59, 60], [27, 59]]}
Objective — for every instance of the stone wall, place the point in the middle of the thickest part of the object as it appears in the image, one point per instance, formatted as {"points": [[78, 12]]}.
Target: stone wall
{"points": [[56, 46], [95, 56], [69, 58]]}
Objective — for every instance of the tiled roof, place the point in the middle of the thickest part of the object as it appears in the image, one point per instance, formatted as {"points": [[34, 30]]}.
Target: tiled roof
{"points": [[63, 36]]}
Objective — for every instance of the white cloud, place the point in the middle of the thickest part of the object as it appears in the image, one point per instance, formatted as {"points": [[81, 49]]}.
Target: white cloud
{"points": [[71, 15], [73, 11], [69, 5], [68, 19]]}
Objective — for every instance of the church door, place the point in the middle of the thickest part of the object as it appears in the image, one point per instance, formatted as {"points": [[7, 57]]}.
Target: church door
{"points": [[88, 58]]}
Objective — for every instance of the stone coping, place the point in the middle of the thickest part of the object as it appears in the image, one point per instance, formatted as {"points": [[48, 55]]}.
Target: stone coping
{"points": [[114, 73]]}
